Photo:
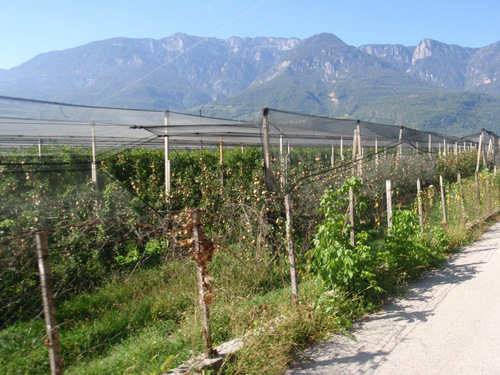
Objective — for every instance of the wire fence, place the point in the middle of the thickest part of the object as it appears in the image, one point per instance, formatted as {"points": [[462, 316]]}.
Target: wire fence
{"points": [[119, 241]]}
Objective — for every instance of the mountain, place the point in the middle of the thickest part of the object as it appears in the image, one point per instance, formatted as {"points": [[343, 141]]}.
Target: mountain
{"points": [[178, 72], [432, 86], [483, 71]]}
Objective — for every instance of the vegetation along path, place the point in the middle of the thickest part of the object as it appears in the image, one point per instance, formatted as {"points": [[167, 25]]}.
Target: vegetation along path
{"points": [[448, 323]]}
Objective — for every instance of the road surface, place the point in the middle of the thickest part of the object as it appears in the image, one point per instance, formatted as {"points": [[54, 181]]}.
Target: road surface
{"points": [[448, 324]]}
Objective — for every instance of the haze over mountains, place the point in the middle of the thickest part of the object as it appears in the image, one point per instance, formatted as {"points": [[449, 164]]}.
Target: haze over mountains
{"points": [[431, 86]]}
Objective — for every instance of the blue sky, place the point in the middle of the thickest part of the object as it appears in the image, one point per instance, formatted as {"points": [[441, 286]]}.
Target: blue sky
{"points": [[30, 27]]}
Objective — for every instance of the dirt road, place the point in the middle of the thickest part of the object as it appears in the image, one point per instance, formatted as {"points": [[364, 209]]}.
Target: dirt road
{"points": [[448, 324]]}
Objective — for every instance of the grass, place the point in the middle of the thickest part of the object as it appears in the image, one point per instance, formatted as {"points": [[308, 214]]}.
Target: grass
{"points": [[148, 322]]}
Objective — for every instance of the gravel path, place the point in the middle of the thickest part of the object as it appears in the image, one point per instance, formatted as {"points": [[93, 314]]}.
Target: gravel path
{"points": [[448, 324]]}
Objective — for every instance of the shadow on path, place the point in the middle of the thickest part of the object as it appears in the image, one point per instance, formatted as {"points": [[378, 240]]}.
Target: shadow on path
{"points": [[383, 331]]}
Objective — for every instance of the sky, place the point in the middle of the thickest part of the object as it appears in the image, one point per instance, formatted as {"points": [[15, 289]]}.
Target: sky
{"points": [[31, 27]]}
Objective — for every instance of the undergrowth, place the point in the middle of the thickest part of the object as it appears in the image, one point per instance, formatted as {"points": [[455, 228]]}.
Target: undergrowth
{"points": [[145, 318]]}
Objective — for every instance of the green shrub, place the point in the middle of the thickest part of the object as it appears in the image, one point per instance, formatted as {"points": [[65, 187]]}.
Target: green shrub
{"points": [[340, 265]]}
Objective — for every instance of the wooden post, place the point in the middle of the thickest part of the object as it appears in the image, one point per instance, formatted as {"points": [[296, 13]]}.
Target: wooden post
{"points": [[478, 165], [461, 198], [443, 203], [430, 144], [487, 189], [479, 151], [94, 158], [287, 158], [355, 144], [265, 145], [360, 150], [420, 207], [221, 161], [478, 191], [221, 151], [485, 164], [388, 194], [352, 216], [49, 307], [168, 182], [342, 148], [332, 158], [282, 164], [354, 150], [290, 246], [400, 141], [205, 328]]}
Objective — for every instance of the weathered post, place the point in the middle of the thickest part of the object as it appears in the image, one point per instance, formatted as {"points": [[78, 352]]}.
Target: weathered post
{"points": [[443, 203], [94, 158], [478, 164], [200, 274], [221, 161], [266, 147], [168, 182], [388, 194], [461, 198], [49, 307], [360, 149], [342, 148], [420, 207], [291, 249], [354, 150], [400, 142], [282, 164], [352, 216]]}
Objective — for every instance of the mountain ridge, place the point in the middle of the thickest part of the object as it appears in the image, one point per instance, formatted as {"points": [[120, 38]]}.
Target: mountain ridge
{"points": [[232, 77]]}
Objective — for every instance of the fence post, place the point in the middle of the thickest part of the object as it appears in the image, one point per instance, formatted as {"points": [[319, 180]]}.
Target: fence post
{"points": [[290, 245], [443, 203], [342, 148], [360, 150], [352, 215], [354, 151], [93, 166], [205, 328], [487, 189], [400, 142], [49, 307], [221, 160], [282, 164], [267, 156], [388, 193], [168, 182], [461, 198], [478, 191], [420, 208]]}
